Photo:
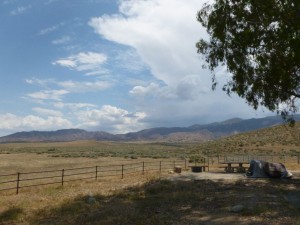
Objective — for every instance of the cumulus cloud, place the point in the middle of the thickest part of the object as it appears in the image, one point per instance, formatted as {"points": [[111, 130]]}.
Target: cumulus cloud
{"points": [[189, 88], [89, 62], [111, 118], [151, 89], [30, 122], [159, 37], [163, 33]]}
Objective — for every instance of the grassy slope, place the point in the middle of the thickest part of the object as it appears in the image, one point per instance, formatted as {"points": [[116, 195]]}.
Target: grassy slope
{"points": [[275, 140]]}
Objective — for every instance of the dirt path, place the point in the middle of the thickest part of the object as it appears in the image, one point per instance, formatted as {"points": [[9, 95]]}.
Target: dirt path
{"points": [[186, 176]]}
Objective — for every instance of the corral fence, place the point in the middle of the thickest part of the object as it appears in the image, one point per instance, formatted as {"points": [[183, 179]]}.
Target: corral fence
{"points": [[20, 180]]}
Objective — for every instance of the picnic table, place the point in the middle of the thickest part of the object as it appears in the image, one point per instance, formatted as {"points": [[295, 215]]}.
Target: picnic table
{"points": [[198, 168], [231, 167]]}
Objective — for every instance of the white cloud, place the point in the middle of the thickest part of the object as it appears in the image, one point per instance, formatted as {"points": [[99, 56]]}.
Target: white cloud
{"points": [[113, 119], [74, 106], [20, 10], [89, 62], [159, 38], [68, 87], [151, 89], [48, 95], [189, 88], [47, 112], [73, 86], [163, 33], [61, 40], [40, 82], [130, 61], [45, 124], [51, 29], [11, 122]]}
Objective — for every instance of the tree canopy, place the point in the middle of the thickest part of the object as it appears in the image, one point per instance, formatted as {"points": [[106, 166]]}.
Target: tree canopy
{"points": [[259, 43]]}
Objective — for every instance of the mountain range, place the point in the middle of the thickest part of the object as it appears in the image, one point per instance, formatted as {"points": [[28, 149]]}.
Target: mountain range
{"points": [[194, 133]]}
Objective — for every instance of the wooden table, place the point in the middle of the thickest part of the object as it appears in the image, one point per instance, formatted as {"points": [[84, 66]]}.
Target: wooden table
{"points": [[234, 167]]}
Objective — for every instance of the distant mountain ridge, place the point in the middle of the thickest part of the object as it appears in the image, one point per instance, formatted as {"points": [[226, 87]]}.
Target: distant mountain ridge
{"points": [[194, 133]]}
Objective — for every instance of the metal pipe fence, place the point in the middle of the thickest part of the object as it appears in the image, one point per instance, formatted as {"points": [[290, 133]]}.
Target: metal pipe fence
{"points": [[19, 180], [216, 159]]}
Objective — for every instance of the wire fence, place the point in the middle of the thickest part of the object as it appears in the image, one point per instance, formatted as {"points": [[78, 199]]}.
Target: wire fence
{"points": [[20, 180]]}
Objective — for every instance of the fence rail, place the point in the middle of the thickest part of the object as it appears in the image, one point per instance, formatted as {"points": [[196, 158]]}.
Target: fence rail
{"points": [[215, 159], [19, 180]]}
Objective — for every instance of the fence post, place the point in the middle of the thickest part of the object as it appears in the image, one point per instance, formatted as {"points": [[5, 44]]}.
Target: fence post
{"points": [[208, 162], [96, 177], [143, 168], [159, 166], [62, 177], [122, 171], [18, 182]]}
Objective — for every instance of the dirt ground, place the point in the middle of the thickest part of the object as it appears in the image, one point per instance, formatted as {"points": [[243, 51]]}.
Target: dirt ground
{"points": [[252, 201], [186, 175]]}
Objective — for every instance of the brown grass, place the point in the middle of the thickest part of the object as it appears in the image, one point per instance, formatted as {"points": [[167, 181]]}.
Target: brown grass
{"points": [[281, 139], [152, 200]]}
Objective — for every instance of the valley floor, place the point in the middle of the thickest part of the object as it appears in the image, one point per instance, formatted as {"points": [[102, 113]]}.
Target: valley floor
{"points": [[187, 198]]}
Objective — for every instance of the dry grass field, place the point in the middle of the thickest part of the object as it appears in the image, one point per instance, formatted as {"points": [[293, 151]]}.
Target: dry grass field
{"points": [[154, 198], [151, 198]]}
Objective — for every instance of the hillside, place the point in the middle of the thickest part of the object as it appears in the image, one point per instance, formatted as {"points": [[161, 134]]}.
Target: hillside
{"points": [[194, 133], [280, 139]]}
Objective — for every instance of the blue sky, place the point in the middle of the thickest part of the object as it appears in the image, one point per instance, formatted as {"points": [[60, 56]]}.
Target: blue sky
{"points": [[115, 66]]}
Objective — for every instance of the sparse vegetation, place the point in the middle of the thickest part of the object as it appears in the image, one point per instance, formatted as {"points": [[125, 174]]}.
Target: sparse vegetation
{"points": [[93, 149], [149, 199], [156, 201], [277, 140]]}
